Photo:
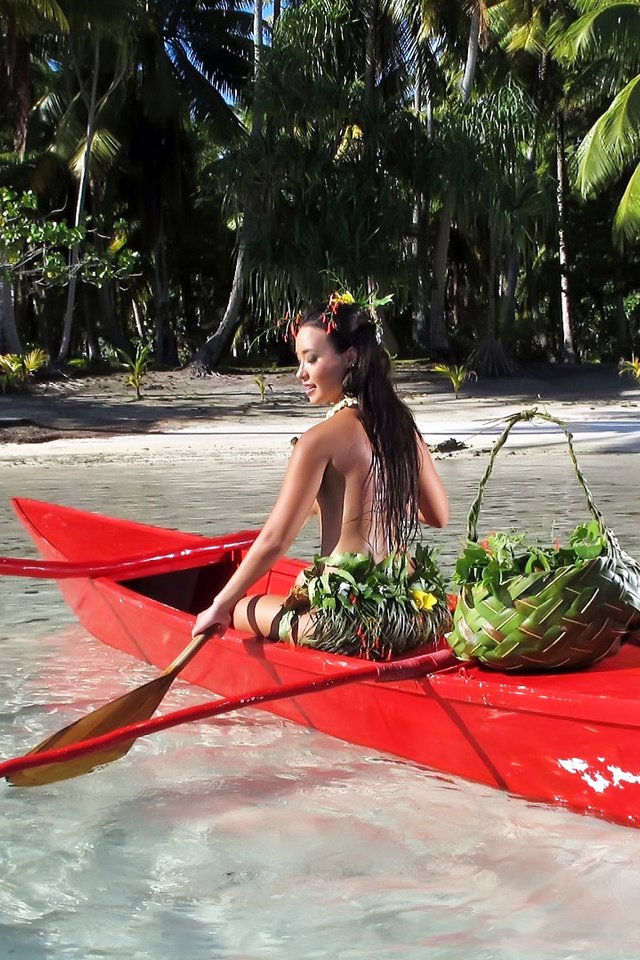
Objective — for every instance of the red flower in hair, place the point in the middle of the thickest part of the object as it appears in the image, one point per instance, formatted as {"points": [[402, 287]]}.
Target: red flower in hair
{"points": [[294, 325]]}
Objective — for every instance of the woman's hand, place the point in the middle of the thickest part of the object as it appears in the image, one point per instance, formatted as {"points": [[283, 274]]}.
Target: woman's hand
{"points": [[215, 619]]}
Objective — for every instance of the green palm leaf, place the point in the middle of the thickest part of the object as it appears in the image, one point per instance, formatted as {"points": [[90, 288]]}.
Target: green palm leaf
{"points": [[30, 14], [612, 142], [603, 27], [531, 37], [626, 223], [104, 149]]}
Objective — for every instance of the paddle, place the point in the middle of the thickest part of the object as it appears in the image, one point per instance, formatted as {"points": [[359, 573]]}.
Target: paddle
{"points": [[131, 708], [129, 567], [74, 757]]}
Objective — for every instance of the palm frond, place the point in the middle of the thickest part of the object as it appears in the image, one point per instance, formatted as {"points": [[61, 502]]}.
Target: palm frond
{"points": [[612, 142], [51, 107], [603, 27], [104, 149], [626, 223], [531, 37], [31, 15]]}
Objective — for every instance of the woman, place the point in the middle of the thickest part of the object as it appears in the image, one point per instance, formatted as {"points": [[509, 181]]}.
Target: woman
{"points": [[366, 465]]}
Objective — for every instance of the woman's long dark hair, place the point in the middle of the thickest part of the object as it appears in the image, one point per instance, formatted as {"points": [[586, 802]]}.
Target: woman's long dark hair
{"points": [[388, 422]]}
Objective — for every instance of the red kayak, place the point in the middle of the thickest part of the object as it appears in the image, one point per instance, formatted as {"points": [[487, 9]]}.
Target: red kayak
{"points": [[568, 739]]}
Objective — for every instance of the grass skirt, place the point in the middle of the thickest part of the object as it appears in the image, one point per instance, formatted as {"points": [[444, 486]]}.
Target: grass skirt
{"points": [[373, 610]]}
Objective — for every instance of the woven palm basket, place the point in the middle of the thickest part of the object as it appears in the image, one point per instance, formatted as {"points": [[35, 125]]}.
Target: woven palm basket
{"points": [[569, 617]]}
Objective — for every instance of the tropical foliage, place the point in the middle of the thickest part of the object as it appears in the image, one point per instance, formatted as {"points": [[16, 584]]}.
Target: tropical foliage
{"points": [[456, 373], [479, 161], [17, 368], [137, 366], [505, 555], [632, 367]]}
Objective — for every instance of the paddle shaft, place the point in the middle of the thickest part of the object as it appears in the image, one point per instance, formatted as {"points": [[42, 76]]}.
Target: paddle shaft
{"points": [[129, 567], [410, 668]]}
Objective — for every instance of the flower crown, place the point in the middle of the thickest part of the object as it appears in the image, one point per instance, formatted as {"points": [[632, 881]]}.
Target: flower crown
{"points": [[344, 298]]}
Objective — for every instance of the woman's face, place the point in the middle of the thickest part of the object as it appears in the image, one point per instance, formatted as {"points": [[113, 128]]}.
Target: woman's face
{"points": [[321, 368]]}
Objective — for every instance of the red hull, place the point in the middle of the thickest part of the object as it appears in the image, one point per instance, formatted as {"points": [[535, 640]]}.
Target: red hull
{"points": [[566, 739]]}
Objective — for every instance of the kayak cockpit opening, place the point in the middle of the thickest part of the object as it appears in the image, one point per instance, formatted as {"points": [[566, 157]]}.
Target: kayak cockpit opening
{"points": [[188, 590]]}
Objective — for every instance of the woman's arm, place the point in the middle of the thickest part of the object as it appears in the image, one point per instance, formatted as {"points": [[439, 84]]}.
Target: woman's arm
{"points": [[297, 495], [434, 502]]}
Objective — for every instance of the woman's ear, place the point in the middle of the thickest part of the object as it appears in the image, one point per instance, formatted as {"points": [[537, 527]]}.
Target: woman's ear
{"points": [[351, 357]]}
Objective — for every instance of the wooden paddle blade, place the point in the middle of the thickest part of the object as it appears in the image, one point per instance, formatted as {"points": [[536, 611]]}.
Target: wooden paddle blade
{"points": [[65, 770], [139, 704], [133, 707]]}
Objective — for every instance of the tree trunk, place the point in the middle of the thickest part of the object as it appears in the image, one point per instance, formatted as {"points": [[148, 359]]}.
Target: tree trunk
{"points": [[419, 325], [9, 337], [257, 40], [210, 353], [165, 341], [622, 325], [438, 339], [137, 318], [472, 56], [370, 66], [107, 324], [492, 326], [20, 93], [568, 351], [91, 334], [508, 302], [65, 346], [93, 105]]}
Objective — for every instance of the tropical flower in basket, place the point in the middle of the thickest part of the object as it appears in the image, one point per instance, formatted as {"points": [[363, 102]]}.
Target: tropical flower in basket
{"points": [[502, 556], [376, 610]]}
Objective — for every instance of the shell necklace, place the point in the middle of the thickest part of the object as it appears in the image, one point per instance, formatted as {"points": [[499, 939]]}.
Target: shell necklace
{"points": [[340, 405]]}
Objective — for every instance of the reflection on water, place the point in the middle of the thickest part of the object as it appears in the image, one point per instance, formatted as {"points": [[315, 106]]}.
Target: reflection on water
{"points": [[248, 838]]}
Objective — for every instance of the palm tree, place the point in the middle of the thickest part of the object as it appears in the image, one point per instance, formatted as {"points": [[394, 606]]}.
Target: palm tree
{"points": [[526, 32], [193, 62], [320, 183], [444, 56], [25, 23], [438, 337], [611, 30], [92, 29], [146, 75], [511, 196], [211, 351]]}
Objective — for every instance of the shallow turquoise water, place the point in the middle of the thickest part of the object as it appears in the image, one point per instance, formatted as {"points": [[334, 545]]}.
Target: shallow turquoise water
{"points": [[248, 838]]}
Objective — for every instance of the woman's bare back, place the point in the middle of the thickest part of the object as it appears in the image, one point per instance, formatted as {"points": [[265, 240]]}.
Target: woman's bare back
{"points": [[346, 494]]}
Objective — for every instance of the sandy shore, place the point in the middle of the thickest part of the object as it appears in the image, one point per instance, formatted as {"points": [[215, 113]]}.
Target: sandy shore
{"points": [[225, 415]]}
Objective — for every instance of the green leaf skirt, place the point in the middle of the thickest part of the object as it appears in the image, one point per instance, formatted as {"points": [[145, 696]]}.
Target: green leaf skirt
{"points": [[361, 608]]}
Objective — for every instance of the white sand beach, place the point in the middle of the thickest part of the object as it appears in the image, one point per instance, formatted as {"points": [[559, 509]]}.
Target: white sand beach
{"points": [[224, 415]]}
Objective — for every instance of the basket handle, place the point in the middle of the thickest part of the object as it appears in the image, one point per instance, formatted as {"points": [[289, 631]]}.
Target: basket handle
{"points": [[524, 416]]}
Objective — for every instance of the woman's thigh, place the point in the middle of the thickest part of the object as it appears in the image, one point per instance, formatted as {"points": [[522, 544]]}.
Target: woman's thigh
{"points": [[261, 614]]}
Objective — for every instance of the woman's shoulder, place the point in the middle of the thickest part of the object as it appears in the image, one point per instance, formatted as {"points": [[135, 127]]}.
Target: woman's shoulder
{"points": [[344, 421], [344, 425]]}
